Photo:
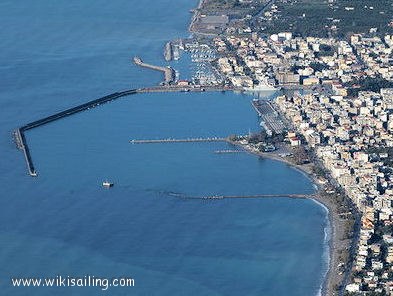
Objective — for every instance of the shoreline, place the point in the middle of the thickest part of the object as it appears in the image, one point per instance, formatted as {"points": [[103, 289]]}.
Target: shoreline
{"points": [[330, 280], [339, 239], [195, 16]]}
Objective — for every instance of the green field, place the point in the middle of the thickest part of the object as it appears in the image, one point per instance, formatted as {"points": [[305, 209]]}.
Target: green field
{"points": [[236, 9], [318, 17]]}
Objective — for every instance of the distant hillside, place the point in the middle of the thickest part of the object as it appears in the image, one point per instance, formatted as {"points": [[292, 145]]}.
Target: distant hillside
{"points": [[324, 18]]}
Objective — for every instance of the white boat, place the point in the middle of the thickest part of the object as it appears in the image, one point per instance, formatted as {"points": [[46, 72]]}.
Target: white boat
{"points": [[107, 184]]}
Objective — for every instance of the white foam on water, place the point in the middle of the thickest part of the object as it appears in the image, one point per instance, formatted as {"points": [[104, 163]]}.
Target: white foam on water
{"points": [[326, 246]]}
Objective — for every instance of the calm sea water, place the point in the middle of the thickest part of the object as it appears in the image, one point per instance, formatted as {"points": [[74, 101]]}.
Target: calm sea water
{"points": [[58, 54]]}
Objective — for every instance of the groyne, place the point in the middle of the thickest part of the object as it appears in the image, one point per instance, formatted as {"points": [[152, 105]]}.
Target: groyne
{"points": [[19, 133], [169, 73], [302, 196], [229, 151], [284, 195], [188, 140]]}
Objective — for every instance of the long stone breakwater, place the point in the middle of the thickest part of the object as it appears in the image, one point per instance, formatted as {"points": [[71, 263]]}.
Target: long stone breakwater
{"points": [[19, 133]]}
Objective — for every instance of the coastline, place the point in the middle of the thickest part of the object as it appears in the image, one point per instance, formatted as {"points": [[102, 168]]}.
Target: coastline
{"points": [[331, 279], [195, 16], [338, 240]]}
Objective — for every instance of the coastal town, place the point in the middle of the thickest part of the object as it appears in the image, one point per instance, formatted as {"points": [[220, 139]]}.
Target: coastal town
{"points": [[325, 103], [336, 106]]}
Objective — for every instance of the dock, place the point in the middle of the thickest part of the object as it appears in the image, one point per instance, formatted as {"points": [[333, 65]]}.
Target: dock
{"points": [[169, 73], [188, 140], [19, 133]]}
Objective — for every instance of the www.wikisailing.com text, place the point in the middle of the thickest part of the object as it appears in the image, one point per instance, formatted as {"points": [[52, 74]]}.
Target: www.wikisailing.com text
{"points": [[70, 281]]}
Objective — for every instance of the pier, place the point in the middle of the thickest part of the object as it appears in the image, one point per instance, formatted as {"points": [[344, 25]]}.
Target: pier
{"points": [[188, 140], [19, 134], [169, 73], [284, 195], [229, 151], [301, 196]]}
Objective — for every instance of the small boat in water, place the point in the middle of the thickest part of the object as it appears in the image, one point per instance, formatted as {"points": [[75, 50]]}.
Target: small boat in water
{"points": [[107, 184]]}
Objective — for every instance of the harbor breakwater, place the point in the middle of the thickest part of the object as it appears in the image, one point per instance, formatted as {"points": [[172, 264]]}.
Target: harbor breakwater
{"points": [[19, 133]]}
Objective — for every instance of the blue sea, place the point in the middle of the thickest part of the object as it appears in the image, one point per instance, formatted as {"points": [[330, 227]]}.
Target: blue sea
{"points": [[56, 54]]}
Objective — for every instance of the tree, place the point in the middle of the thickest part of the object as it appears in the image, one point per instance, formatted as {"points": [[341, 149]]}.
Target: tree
{"points": [[300, 155], [258, 137], [326, 50]]}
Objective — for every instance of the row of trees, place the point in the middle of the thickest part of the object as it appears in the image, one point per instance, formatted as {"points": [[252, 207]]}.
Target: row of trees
{"points": [[263, 137], [368, 84]]}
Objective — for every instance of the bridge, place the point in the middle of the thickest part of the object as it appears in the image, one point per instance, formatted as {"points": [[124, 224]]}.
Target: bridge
{"points": [[169, 140]]}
